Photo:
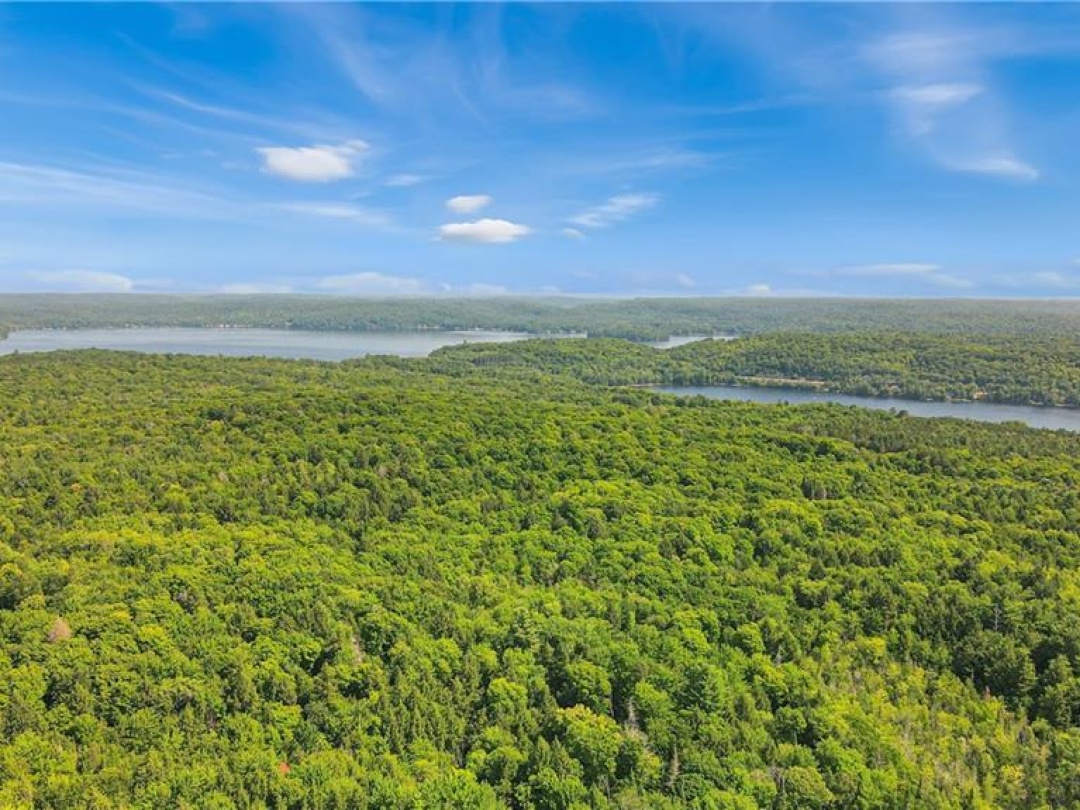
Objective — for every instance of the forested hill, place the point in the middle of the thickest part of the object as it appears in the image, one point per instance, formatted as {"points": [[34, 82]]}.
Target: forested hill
{"points": [[637, 319], [1026, 369], [257, 583]]}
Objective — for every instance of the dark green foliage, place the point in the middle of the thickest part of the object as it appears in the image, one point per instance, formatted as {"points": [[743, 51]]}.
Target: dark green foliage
{"points": [[636, 319], [1037, 370], [391, 584]]}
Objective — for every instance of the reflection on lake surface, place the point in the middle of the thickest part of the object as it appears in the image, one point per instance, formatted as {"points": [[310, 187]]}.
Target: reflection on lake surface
{"points": [[1051, 418], [293, 344]]}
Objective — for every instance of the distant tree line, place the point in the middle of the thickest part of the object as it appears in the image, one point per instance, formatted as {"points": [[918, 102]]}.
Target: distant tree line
{"points": [[644, 319]]}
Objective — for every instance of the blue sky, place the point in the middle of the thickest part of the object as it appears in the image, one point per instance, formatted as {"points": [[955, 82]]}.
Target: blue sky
{"points": [[699, 149]]}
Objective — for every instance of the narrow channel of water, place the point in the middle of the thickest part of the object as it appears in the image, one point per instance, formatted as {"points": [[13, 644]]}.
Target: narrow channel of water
{"points": [[1051, 418], [288, 343]]}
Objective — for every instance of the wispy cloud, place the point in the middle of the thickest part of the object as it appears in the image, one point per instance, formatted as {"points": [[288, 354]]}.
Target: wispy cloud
{"points": [[468, 203], [368, 283], [313, 164], [295, 124], [1004, 166], [143, 192], [930, 274], [347, 212], [487, 231], [1043, 280], [900, 269], [616, 209], [254, 288], [643, 161], [403, 180], [81, 281], [460, 67], [932, 67], [1055, 279], [149, 194], [942, 95], [937, 96], [572, 233]]}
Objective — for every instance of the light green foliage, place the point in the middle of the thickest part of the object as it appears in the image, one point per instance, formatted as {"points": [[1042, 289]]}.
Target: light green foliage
{"points": [[410, 585]]}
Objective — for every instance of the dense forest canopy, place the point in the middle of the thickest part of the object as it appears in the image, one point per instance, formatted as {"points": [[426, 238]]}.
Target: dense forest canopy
{"points": [[637, 319], [1028, 369], [431, 584]]}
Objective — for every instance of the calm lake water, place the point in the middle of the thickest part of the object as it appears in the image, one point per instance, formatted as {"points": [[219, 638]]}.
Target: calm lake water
{"points": [[1051, 418], [294, 344]]}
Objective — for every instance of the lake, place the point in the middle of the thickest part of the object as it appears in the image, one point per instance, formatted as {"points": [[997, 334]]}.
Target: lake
{"points": [[1050, 418], [681, 340], [288, 343]]}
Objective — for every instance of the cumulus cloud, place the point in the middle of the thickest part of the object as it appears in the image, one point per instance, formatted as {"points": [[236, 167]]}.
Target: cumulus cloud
{"points": [[616, 209], [313, 164], [82, 281], [489, 231], [468, 203], [371, 284]]}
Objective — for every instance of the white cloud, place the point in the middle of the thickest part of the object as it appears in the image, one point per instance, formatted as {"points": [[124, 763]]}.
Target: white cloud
{"points": [[685, 281], [490, 231], [616, 209], [254, 288], [923, 107], [82, 281], [1003, 166], [371, 284], [758, 289], [937, 95], [404, 180], [572, 233], [942, 96], [313, 164], [468, 203]]}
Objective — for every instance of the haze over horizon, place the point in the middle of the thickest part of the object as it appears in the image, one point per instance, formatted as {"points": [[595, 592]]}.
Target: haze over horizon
{"points": [[868, 150]]}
